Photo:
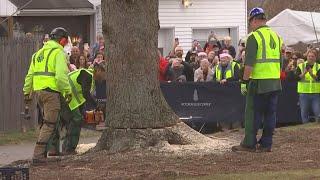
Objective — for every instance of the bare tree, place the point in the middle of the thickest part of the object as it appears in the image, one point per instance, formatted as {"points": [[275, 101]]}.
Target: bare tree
{"points": [[273, 7]]}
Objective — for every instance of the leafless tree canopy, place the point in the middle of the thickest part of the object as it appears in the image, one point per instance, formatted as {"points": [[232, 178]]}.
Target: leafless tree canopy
{"points": [[273, 7]]}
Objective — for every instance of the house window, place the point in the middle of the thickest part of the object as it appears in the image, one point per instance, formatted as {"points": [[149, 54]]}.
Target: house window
{"points": [[161, 51], [202, 34], [165, 38]]}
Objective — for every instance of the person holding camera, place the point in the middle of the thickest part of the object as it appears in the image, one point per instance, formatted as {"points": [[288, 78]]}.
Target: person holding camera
{"points": [[241, 48], [196, 48], [308, 76], [176, 71], [228, 45], [194, 61]]}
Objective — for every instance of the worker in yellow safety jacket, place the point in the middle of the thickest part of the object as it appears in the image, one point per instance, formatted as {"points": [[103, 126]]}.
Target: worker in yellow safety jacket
{"points": [[82, 83], [308, 77], [260, 83], [47, 78]]}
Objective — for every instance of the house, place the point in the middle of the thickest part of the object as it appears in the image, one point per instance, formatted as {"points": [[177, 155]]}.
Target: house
{"points": [[184, 19], [196, 19], [77, 16], [223, 17]]}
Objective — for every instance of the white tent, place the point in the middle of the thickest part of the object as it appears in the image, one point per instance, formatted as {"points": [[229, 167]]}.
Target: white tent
{"points": [[296, 26]]}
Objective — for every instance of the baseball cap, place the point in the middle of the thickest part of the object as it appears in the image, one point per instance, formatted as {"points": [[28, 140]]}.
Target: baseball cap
{"points": [[255, 12]]}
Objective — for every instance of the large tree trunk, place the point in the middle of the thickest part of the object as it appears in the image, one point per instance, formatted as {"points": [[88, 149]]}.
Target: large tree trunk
{"points": [[137, 114], [134, 97]]}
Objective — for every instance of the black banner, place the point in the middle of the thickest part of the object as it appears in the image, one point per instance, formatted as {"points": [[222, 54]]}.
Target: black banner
{"points": [[212, 102], [288, 104]]}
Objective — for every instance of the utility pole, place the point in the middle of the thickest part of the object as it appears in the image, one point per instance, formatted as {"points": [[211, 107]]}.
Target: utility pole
{"points": [[314, 27], [10, 27]]}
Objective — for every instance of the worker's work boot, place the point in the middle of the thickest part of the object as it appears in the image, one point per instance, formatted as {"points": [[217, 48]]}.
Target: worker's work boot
{"points": [[261, 149], [44, 161], [40, 155], [39, 151], [53, 152], [241, 147]]}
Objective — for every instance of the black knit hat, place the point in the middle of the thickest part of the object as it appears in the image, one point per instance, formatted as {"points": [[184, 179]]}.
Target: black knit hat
{"points": [[58, 33]]}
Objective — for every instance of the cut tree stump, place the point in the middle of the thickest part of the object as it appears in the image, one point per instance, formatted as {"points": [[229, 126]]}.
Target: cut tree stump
{"points": [[179, 139]]}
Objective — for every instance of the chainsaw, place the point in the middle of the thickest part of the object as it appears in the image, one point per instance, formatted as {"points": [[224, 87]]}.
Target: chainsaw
{"points": [[26, 113]]}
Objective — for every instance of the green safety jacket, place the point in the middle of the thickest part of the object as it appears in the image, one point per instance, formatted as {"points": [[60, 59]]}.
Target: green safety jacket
{"points": [[48, 69], [229, 72], [268, 56], [77, 95], [308, 84]]}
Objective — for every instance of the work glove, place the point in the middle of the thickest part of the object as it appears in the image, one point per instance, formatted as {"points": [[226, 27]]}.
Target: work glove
{"points": [[244, 89], [68, 98]]}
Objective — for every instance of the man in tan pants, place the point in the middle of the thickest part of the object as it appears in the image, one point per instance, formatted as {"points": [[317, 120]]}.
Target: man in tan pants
{"points": [[47, 78]]}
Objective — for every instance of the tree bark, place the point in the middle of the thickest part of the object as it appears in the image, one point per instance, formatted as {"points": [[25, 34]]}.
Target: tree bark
{"points": [[133, 91], [138, 116]]}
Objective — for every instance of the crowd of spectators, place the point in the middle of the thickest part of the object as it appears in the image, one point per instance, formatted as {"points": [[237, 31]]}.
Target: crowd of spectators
{"points": [[219, 62], [292, 59], [201, 63], [85, 57], [305, 69], [215, 61]]}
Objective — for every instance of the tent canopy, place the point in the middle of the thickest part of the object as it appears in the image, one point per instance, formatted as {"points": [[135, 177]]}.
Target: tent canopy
{"points": [[296, 26]]}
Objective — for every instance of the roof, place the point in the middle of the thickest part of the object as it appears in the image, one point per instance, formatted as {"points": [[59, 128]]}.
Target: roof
{"points": [[95, 2], [53, 4], [296, 26]]}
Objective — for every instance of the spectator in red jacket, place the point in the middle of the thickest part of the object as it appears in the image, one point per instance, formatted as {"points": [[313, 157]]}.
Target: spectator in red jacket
{"points": [[163, 64]]}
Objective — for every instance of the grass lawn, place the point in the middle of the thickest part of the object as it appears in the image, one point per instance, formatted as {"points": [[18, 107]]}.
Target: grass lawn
{"points": [[312, 125], [17, 137], [283, 175]]}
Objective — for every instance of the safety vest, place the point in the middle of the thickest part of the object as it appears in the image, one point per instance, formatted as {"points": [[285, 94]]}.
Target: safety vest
{"points": [[77, 95], [229, 72], [268, 55], [308, 84], [43, 62]]}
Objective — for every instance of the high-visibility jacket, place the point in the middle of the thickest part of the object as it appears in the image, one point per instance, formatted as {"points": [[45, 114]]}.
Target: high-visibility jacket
{"points": [[229, 71], [48, 69], [308, 84], [268, 55], [77, 94]]}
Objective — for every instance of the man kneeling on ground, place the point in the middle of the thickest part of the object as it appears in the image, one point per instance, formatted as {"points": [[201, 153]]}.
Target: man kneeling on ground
{"points": [[82, 84]]}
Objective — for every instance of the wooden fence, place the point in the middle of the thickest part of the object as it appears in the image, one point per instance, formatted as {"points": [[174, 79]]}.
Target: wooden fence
{"points": [[15, 57]]}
